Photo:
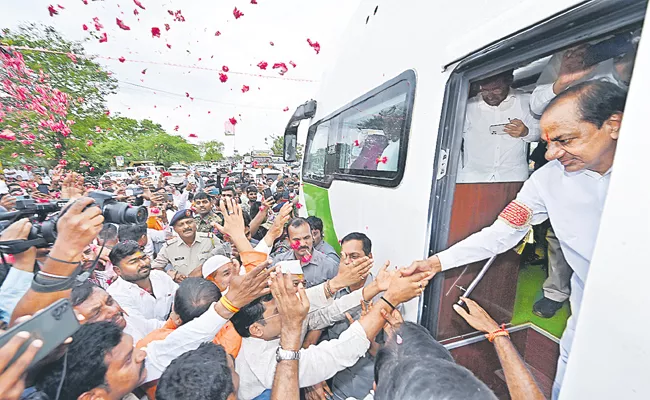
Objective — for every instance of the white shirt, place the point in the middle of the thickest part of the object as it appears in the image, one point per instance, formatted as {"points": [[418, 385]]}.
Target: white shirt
{"points": [[496, 158], [189, 336], [573, 201], [543, 93], [391, 152], [138, 303], [256, 362]]}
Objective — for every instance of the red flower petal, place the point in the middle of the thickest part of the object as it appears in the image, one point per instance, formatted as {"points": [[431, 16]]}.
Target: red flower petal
{"points": [[187, 94], [122, 59], [282, 66], [217, 33], [314, 45], [121, 24], [103, 38], [223, 77], [135, 11], [137, 3], [85, 27], [170, 12], [53, 10], [272, 44], [167, 27], [293, 64], [245, 89], [169, 46], [356, 143], [108, 112], [285, 109], [60, 6], [176, 128], [253, 1], [263, 64], [85, 2], [144, 71], [192, 135], [225, 68], [233, 121], [155, 32], [238, 14]]}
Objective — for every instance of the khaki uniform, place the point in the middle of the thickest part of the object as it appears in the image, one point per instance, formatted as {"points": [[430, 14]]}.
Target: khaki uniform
{"points": [[205, 224], [184, 258]]}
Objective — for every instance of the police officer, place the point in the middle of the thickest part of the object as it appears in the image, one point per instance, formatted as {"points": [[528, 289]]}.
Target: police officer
{"points": [[206, 217], [189, 250]]}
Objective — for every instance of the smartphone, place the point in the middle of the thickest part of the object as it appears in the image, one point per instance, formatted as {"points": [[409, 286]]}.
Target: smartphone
{"points": [[170, 197], [53, 326], [498, 129], [268, 193], [129, 192]]}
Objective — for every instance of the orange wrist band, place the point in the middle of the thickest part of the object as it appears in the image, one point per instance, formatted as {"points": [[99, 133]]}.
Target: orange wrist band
{"points": [[228, 305], [499, 332]]}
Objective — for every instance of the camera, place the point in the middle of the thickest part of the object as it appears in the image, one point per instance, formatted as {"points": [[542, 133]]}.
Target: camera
{"points": [[116, 212], [44, 217]]}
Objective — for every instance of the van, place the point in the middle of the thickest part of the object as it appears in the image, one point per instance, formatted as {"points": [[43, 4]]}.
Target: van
{"points": [[385, 155]]}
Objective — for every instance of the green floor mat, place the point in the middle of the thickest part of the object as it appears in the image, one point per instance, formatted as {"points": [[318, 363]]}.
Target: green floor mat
{"points": [[529, 290]]}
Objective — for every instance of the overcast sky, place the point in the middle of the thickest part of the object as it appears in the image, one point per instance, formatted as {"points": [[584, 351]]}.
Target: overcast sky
{"points": [[243, 43]]}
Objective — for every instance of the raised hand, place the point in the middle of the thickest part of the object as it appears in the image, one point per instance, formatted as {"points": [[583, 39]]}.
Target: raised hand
{"points": [[77, 227], [246, 288], [292, 302], [404, 288], [8, 202], [351, 272], [233, 218], [19, 230], [12, 377], [477, 317], [516, 128], [572, 68]]}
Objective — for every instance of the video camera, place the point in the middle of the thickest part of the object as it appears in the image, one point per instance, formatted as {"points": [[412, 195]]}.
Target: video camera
{"points": [[44, 217]]}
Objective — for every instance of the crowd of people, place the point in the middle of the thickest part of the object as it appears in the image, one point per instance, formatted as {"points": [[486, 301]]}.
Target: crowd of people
{"points": [[224, 292]]}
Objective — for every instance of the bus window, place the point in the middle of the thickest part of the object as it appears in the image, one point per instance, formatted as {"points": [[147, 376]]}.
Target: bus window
{"points": [[314, 168], [365, 141], [370, 133]]}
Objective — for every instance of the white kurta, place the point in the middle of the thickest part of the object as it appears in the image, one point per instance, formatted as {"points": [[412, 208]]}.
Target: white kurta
{"points": [[496, 158], [138, 303], [574, 202]]}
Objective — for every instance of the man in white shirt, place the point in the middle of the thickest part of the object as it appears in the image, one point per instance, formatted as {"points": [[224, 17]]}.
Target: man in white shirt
{"points": [[498, 126], [140, 290], [102, 346], [581, 126]]}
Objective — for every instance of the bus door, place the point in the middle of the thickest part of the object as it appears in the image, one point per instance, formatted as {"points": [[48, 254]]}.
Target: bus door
{"points": [[490, 132]]}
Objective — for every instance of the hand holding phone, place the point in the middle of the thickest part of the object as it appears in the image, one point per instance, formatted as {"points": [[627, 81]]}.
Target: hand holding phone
{"points": [[30, 341]]}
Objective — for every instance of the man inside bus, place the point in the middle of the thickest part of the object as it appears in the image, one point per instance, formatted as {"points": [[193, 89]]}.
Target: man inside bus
{"points": [[581, 126], [565, 69], [498, 126], [316, 266]]}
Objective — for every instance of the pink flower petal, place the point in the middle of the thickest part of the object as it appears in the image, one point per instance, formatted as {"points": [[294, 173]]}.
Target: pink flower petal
{"points": [[285, 109], [245, 89], [155, 32], [137, 3], [314, 45], [122, 25], [233, 121], [217, 33], [263, 64], [122, 59], [53, 10], [225, 68], [223, 77], [103, 38], [238, 14]]}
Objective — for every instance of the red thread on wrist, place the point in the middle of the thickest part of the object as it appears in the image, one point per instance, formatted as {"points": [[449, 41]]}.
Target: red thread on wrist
{"points": [[499, 332]]}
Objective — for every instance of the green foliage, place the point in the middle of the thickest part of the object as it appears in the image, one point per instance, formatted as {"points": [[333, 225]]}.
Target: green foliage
{"points": [[88, 85], [212, 150], [278, 146]]}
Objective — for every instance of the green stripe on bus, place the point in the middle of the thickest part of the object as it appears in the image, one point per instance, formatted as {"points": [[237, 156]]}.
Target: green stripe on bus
{"points": [[317, 202]]}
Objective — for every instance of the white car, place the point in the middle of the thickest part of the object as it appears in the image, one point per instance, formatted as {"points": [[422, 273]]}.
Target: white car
{"points": [[177, 174], [116, 176]]}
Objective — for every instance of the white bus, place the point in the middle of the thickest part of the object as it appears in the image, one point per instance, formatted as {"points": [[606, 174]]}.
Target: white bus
{"points": [[382, 155]]}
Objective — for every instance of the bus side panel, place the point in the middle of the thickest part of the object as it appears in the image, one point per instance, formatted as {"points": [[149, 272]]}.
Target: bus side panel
{"points": [[318, 203]]}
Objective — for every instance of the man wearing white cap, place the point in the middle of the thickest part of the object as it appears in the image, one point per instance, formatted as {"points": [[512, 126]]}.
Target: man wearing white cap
{"points": [[220, 270]]}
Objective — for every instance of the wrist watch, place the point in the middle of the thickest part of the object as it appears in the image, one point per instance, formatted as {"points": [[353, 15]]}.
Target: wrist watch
{"points": [[282, 355]]}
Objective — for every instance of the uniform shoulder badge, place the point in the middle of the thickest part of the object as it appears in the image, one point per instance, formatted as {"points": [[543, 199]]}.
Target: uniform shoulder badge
{"points": [[517, 215], [171, 241]]}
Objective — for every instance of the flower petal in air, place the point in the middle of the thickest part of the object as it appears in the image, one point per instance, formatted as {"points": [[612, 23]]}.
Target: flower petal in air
{"points": [[217, 33], [192, 135], [293, 64], [223, 77], [85, 27], [155, 32], [103, 38], [225, 68], [285, 109], [144, 71], [282, 66], [232, 120], [137, 3], [52, 10], [122, 25], [263, 64], [176, 128], [167, 27], [122, 59], [314, 45], [245, 89], [238, 14]]}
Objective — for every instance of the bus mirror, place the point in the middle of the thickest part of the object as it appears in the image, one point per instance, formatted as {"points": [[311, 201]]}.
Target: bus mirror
{"points": [[290, 145]]}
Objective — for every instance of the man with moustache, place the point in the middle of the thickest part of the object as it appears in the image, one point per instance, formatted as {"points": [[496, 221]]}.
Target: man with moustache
{"points": [[316, 266], [581, 126], [189, 250], [139, 290]]}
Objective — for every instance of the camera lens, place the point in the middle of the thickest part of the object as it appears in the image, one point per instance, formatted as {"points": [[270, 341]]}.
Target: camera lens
{"points": [[48, 230], [122, 213]]}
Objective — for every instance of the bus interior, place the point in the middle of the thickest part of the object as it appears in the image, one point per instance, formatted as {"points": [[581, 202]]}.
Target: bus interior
{"points": [[514, 282]]}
